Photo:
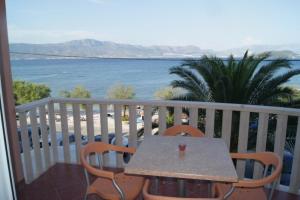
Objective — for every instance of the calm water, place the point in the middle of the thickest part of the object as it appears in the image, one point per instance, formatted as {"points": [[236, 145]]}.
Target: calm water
{"points": [[97, 75]]}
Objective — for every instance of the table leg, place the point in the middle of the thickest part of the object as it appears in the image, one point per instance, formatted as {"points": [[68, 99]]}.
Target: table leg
{"points": [[209, 185], [156, 184], [181, 188]]}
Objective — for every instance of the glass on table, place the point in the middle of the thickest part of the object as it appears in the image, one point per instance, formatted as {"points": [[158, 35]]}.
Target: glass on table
{"points": [[181, 146]]}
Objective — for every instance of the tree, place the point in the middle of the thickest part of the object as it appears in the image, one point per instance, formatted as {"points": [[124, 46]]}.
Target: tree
{"points": [[167, 93], [78, 92], [295, 101], [249, 80], [120, 91], [25, 91]]}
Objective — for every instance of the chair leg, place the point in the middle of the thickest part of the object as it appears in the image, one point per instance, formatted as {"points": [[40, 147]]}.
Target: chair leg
{"points": [[181, 187], [85, 196], [140, 196], [156, 184], [274, 184], [122, 196], [209, 191], [229, 192]]}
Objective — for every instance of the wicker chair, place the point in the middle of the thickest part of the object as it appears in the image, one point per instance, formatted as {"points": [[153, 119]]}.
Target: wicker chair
{"points": [[109, 185], [178, 129], [254, 188]]}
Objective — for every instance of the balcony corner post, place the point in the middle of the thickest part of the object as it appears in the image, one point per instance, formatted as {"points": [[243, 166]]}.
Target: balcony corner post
{"points": [[8, 99]]}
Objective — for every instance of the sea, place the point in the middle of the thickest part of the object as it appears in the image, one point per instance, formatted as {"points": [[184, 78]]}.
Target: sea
{"points": [[146, 76]]}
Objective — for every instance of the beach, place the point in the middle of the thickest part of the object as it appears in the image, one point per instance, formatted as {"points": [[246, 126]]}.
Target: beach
{"points": [[97, 126]]}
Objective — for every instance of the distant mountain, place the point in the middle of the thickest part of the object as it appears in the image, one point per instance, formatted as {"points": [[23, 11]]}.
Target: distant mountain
{"points": [[104, 49], [94, 48], [291, 51]]}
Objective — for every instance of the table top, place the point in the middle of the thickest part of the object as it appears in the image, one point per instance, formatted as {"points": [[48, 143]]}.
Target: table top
{"points": [[204, 159]]}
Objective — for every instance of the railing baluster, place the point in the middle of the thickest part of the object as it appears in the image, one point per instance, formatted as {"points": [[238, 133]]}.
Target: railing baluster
{"points": [[118, 133], [147, 121], [295, 174], [90, 128], [90, 122], [52, 126], [280, 135], [132, 127], [226, 126], [261, 141], [65, 132], [36, 143], [77, 129], [44, 134], [243, 141], [210, 122], [193, 118], [104, 130], [162, 112], [177, 115], [27, 160]]}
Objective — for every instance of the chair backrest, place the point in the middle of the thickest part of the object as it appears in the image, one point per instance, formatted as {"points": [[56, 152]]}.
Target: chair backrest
{"points": [[178, 129], [267, 159], [99, 148], [147, 196]]}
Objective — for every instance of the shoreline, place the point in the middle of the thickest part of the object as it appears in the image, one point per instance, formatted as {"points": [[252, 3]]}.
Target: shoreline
{"points": [[97, 126]]}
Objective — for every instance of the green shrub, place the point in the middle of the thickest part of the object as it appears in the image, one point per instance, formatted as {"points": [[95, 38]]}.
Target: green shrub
{"points": [[25, 91]]}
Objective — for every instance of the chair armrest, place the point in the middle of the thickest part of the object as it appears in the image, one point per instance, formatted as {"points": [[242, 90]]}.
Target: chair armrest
{"points": [[261, 158], [93, 170], [245, 156], [100, 147], [99, 172], [130, 150]]}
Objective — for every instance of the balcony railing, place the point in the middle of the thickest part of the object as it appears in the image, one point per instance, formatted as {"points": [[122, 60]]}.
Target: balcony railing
{"points": [[45, 127]]}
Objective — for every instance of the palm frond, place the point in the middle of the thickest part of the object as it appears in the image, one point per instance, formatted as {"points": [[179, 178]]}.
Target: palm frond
{"points": [[264, 75], [275, 96], [188, 97], [191, 81], [188, 86], [249, 80]]}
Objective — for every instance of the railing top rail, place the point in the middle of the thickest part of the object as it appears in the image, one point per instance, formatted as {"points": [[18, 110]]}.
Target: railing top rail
{"points": [[169, 103], [191, 104], [28, 106]]}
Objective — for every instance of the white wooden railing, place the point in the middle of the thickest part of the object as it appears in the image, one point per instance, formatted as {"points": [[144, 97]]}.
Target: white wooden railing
{"points": [[41, 115]]}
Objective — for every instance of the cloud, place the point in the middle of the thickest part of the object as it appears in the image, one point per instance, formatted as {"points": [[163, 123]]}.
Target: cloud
{"points": [[249, 40], [97, 1], [47, 36]]}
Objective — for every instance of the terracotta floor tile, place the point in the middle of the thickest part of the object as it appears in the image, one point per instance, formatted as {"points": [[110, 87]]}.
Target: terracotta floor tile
{"points": [[72, 192], [67, 182]]}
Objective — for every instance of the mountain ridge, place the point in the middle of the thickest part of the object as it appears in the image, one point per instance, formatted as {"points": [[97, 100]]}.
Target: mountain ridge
{"points": [[107, 49]]}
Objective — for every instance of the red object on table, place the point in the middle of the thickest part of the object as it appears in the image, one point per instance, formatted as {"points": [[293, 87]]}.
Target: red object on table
{"points": [[182, 147]]}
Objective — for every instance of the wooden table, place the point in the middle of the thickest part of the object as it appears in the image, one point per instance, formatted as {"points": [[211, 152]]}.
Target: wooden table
{"points": [[203, 159]]}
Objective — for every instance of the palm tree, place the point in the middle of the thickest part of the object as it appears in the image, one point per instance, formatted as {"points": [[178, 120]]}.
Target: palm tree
{"points": [[250, 80]]}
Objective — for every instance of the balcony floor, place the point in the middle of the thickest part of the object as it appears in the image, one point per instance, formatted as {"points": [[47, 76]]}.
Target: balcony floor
{"points": [[67, 182]]}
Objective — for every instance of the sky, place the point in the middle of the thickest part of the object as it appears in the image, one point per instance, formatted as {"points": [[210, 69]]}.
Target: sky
{"points": [[209, 24]]}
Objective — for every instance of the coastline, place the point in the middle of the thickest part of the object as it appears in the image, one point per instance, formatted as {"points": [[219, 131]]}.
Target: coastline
{"points": [[98, 75]]}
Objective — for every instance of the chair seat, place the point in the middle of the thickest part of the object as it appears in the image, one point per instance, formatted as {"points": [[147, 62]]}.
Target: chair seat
{"points": [[243, 193], [130, 185]]}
